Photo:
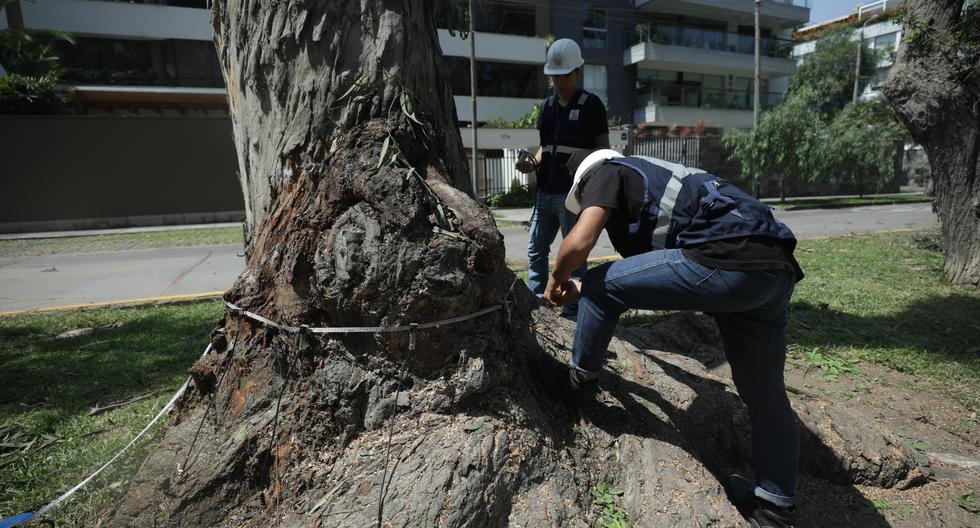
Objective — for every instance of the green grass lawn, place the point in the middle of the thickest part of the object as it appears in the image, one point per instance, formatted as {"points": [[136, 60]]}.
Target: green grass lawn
{"points": [[49, 384], [880, 298], [119, 241], [850, 201], [883, 298]]}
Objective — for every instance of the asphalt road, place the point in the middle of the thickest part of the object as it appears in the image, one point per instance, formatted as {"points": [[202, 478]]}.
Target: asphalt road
{"points": [[28, 283]]}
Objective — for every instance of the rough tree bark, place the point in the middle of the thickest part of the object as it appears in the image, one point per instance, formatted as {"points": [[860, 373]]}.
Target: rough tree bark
{"points": [[296, 433], [937, 97]]}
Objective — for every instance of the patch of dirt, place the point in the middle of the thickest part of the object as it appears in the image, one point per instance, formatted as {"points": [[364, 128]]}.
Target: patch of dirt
{"points": [[924, 419]]}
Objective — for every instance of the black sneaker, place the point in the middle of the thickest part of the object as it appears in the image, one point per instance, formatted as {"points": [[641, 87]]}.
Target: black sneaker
{"points": [[759, 512], [583, 381], [561, 382]]}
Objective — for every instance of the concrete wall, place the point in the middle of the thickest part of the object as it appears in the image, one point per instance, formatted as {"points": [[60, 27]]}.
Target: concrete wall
{"points": [[77, 172]]}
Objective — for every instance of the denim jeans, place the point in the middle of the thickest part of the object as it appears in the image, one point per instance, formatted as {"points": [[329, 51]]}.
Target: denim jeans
{"points": [[549, 216], [751, 311]]}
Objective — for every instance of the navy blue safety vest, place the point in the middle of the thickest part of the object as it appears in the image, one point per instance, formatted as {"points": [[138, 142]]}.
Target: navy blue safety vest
{"points": [[684, 206], [568, 134]]}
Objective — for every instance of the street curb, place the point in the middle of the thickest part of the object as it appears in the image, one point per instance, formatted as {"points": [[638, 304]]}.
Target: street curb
{"points": [[790, 207], [167, 299]]}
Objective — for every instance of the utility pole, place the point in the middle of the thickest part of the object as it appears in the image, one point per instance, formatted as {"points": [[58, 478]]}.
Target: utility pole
{"points": [[756, 83], [473, 97], [857, 63]]}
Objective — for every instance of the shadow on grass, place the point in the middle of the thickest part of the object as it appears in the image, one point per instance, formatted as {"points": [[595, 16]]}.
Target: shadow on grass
{"points": [[946, 327], [130, 352]]}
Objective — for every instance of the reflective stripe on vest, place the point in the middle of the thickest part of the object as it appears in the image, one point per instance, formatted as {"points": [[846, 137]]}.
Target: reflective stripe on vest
{"points": [[562, 149], [669, 199]]}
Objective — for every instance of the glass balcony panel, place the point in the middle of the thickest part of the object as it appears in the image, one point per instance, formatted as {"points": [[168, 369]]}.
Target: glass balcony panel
{"points": [[690, 37], [709, 98]]}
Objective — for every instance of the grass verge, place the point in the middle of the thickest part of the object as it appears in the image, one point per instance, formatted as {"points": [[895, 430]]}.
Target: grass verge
{"points": [[879, 298], [834, 202], [884, 299], [82, 243], [48, 442]]}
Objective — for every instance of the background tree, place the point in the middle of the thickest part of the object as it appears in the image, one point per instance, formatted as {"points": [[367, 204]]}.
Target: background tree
{"points": [[785, 143], [349, 152], [816, 133], [858, 147], [828, 72], [934, 87]]}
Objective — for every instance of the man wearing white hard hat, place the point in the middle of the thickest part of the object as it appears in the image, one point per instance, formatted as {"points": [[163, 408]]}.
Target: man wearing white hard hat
{"points": [[690, 241], [572, 124]]}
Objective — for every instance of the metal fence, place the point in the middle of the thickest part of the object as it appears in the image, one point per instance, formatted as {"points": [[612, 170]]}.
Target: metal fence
{"points": [[499, 172], [686, 151]]}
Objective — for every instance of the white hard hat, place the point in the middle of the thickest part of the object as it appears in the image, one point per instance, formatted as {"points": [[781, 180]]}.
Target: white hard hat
{"points": [[592, 160], [564, 56]]}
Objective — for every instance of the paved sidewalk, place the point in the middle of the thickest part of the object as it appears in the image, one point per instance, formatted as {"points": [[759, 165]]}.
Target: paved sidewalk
{"points": [[113, 231], [49, 281]]}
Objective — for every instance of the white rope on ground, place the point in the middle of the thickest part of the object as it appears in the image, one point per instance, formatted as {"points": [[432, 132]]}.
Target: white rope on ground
{"points": [[302, 329], [53, 504], [360, 329]]}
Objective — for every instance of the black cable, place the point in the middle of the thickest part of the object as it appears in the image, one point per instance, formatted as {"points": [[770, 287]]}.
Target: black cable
{"points": [[391, 424], [221, 375], [304, 330]]}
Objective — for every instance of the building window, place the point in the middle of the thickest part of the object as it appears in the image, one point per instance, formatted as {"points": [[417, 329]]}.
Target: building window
{"points": [[495, 79], [497, 16], [594, 28], [174, 62], [594, 80]]}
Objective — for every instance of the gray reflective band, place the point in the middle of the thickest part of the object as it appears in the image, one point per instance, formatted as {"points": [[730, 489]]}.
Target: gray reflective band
{"points": [[666, 207], [562, 149], [667, 202], [581, 100]]}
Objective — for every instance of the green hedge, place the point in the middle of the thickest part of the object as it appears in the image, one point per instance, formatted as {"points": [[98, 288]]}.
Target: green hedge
{"points": [[20, 94]]}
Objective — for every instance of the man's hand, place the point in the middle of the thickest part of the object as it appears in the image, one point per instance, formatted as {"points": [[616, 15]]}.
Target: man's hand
{"points": [[559, 294]]}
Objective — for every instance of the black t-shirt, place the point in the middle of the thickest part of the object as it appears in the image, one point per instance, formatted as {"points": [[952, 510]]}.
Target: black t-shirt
{"points": [[621, 190], [575, 125]]}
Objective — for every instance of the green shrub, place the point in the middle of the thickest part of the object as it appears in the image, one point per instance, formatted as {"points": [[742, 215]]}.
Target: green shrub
{"points": [[518, 195], [20, 94]]}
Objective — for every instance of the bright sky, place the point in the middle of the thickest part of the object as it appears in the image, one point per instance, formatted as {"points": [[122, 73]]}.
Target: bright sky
{"points": [[821, 10]]}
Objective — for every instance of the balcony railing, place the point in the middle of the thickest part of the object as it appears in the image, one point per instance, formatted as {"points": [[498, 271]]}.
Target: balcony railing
{"points": [[690, 37], [697, 97], [797, 3]]}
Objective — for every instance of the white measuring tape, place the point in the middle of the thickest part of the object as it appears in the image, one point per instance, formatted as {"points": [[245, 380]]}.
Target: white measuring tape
{"points": [[359, 329], [156, 418]]}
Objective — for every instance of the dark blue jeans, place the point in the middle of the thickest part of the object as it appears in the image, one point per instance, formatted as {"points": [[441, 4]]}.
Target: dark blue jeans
{"points": [[751, 310], [549, 216]]}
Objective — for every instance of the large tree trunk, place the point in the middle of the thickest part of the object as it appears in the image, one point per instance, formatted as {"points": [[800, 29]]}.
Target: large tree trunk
{"points": [[937, 97], [281, 429]]}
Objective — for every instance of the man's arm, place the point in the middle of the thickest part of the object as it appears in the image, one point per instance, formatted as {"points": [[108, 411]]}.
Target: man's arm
{"points": [[575, 249]]}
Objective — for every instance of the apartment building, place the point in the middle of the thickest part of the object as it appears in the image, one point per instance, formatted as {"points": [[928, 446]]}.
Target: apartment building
{"points": [[871, 27], [655, 63], [658, 64], [694, 59]]}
